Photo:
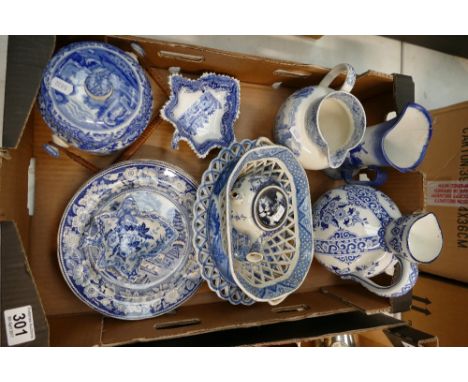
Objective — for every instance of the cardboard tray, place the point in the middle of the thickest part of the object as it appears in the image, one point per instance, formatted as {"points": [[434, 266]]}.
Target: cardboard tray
{"points": [[59, 316]]}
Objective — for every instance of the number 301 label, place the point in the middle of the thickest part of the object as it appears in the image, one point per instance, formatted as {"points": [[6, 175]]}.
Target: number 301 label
{"points": [[19, 325]]}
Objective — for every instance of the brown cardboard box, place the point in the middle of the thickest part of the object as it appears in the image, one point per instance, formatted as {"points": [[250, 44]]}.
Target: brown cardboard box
{"points": [[440, 307], [445, 171], [322, 295]]}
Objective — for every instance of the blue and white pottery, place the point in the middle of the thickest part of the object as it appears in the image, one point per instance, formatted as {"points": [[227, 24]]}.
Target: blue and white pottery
{"points": [[321, 125], [269, 223], [400, 143], [203, 111], [125, 240], [95, 97], [359, 233], [257, 204], [417, 237], [209, 224]]}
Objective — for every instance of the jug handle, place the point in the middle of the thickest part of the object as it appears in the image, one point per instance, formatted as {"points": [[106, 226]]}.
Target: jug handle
{"points": [[380, 178], [335, 72], [403, 284]]}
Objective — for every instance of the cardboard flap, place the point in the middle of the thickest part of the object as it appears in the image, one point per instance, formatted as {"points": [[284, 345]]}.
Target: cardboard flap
{"points": [[403, 90], [288, 332], [27, 56], [449, 142], [17, 286], [196, 59], [356, 296], [439, 307], [198, 319]]}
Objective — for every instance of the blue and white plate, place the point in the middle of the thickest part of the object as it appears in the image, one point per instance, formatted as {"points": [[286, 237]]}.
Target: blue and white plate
{"points": [[95, 97], [209, 225], [125, 240], [203, 111]]}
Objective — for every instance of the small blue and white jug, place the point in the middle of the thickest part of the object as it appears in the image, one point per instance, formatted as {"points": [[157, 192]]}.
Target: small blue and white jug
{"points": [[359, 233], [321, 125], [400, 142]]}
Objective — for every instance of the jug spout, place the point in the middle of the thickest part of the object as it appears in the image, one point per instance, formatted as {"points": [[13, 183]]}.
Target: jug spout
{"points": [[400, 143], [336, 124], [416, 238]]}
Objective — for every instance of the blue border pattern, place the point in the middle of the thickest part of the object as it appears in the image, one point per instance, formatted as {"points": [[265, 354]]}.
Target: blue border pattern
{"points": [[212, 257]]}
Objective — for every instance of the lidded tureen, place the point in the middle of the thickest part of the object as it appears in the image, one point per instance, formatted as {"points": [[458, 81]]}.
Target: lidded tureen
{"points": [[95, 97]]}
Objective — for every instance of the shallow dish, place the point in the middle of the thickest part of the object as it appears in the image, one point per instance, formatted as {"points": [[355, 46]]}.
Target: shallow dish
{"points": [[125, 240], [203, 111]]}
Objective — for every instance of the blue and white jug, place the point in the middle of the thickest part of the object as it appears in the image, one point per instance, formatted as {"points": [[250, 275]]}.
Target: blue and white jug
{"points": [[400, 143], [359, 233], [321, 125]]}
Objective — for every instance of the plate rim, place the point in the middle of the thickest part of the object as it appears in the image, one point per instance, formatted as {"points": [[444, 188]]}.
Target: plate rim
{"points": [[70, 204]]}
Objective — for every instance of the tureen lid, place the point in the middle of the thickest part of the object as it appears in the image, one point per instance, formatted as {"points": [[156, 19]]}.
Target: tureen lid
{"points": [[95, 97]]}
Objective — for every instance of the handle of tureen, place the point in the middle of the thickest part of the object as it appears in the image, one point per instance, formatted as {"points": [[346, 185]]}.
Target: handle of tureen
{"points": [[52, 150], [403, 283], [335, 72], [263, 141]]}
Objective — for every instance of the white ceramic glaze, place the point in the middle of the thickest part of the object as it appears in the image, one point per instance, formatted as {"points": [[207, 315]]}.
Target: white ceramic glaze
{"points": [[209, 224], [321, 125]]}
